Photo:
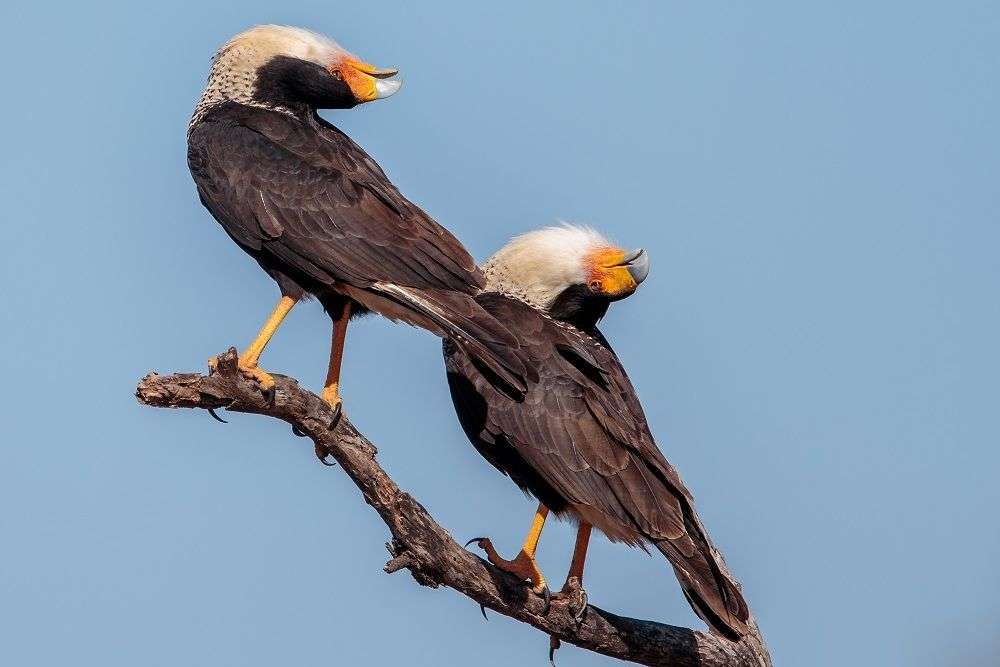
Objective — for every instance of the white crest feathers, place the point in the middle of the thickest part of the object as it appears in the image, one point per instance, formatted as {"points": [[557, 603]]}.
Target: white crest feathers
{"points": [[539, 265]]}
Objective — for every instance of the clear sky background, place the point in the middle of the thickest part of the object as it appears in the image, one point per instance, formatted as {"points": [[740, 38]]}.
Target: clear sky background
{"points": [[816, 346]]}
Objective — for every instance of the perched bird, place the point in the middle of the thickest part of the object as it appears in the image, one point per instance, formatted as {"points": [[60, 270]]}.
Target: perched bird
{"points": [[316, 212], [576, 438]]}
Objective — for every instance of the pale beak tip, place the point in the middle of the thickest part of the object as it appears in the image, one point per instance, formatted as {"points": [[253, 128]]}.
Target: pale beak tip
{"points": [[386, 88], [638, 265]]}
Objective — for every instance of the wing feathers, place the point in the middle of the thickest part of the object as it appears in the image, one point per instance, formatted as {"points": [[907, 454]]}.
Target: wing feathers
{"points": [[581, 432], [278, 183], [470, 327]]}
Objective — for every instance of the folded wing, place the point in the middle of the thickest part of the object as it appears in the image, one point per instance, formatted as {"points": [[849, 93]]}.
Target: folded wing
{"points": [[306, 200], [579, 441]]}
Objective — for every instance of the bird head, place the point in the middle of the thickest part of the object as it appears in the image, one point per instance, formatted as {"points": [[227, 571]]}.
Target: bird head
{"points": [[274, 65], [572, 273]]}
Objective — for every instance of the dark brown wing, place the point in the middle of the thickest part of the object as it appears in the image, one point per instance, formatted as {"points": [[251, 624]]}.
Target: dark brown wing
{"points": [[308, 196], [579, 441], [305, 200]]}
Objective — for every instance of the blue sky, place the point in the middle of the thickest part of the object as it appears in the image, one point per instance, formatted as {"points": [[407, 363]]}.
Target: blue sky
{"points": [[816, 346]]}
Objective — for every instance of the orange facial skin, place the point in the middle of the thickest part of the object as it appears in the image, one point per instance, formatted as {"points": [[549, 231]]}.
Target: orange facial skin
{"points": [[608, 275], [360, 77]]}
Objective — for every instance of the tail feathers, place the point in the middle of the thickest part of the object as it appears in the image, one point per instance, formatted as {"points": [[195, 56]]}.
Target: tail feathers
{"points": [[460, 318], [713, 596]]}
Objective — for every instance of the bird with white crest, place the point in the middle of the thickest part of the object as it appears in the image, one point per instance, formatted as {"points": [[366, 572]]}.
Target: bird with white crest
{"points": [[316, 211], [577, 439]]}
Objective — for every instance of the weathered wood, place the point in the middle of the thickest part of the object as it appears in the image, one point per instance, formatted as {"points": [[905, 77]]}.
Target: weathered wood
{"points": [[420, 545]]}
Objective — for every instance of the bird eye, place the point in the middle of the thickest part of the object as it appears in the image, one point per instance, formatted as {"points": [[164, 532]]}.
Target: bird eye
{"points": [[337, 75], [595, 285]]}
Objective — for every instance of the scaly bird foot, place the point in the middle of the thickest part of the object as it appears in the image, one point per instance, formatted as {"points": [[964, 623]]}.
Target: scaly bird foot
{"points": [[253, 372], [523, 566], [332, 398], [576, 598], [261, 377]]}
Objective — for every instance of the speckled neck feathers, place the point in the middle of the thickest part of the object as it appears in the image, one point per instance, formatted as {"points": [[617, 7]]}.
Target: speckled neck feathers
{"points": [[232, 79], [538, 266], [499, 279]]}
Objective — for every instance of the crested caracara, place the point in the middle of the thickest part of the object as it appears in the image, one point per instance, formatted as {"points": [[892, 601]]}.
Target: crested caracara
{"points": [[316, 212], [576, 438]]}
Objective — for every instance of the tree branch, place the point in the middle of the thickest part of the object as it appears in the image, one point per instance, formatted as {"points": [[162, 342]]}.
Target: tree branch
{"points": [[420, 545]]}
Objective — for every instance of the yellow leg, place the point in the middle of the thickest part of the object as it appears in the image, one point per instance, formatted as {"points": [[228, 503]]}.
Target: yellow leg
{"points": [[537, 524], [524, 564], [331, 388], [250, 356], [579, 554], [572, 590]]}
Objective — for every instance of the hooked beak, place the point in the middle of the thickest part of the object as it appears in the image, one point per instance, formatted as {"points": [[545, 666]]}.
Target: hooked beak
{"points": [[385, 89], [616, 274], [368, 82], [637, 263]]}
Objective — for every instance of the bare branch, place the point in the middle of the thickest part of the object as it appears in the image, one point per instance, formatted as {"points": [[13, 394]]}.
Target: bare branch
{"points": [[420, 545]]}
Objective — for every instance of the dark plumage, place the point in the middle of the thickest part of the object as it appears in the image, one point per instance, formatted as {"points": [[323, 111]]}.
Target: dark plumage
{"points": [[577, 439], [311, 206], [315, 211]]}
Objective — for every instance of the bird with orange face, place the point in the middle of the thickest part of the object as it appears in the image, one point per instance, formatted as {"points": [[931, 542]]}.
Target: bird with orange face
{"points": [[537, 388], [577, 439], [316, 212]]}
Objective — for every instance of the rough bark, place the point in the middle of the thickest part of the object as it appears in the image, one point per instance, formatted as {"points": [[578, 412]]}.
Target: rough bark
{"points": [[420, 545]]}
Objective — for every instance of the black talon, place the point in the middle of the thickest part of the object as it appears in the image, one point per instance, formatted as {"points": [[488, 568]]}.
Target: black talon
{"points": [[547, 594], [335, 419], [297, 431], [269, 396], [474, 539], [482, 608], [216, 417], [578, 616], [321, 454]]}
